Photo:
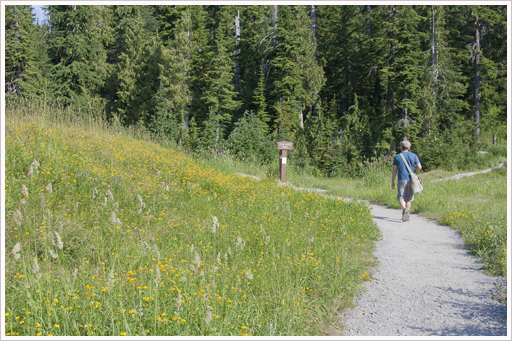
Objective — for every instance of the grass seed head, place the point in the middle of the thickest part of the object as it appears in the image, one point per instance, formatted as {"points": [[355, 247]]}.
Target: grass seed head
{"points": [[15, 251], [197, 259], [56, 240], [53, 254], [49, 187], [18, 217], [178, 300], [35, 267], [108, 193], [208, 317], [24, 190], [43, 201]]}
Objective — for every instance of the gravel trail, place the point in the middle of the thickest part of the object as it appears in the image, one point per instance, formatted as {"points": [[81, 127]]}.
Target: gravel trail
{"points": [[425, 285]]}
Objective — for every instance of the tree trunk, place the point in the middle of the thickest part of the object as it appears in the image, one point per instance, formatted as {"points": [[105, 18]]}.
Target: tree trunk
{"points": [[389, 100], [313, 26], [301, 115], [274, 20], [477, 81], [237, 52], [434, 69]]}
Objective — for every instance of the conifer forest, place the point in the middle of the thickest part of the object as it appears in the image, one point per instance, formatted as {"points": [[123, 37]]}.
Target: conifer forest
{"points": [[344, 83]]}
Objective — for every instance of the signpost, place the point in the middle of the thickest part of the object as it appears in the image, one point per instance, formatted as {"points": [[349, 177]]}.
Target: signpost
{"points": [[283, 147]]}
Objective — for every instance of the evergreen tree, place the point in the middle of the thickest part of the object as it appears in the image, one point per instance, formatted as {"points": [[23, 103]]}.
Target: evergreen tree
{"points": [[408, 70], [254, 44], [164, 122], [175, 71], [339, 49], [261, 105], [483, 17], [322, 138], [313, 78], [198, 72], [129, 71], [76, 53], [441, 99], [248, 139], [286, 78], [219, 95], [22, 70]]}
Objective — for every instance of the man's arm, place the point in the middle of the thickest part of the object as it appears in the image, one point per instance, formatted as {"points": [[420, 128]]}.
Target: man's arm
{"points": [[393, 175], [418, 167]]}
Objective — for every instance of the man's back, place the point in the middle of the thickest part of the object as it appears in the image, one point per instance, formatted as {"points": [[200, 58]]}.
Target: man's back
{"points": [[412, 159]]}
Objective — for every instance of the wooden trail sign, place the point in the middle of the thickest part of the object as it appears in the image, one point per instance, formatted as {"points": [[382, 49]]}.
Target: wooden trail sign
{"points": [[283, 148]]}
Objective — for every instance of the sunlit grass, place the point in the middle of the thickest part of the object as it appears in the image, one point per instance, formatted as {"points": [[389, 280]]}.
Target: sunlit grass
{"points": [[111, 235]]}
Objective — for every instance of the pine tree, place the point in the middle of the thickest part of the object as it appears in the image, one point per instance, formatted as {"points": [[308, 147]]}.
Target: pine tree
{"points": [[261, 105], [248, 139], [164, 122], [286, 77], [313, 78], [408, 69], [175, 72], [441, 98], [322, 138], [255, 43], [76, 53], [218, 94], [338, 51], [198, 72], [22, 72], [129, 71], [484, 18]]}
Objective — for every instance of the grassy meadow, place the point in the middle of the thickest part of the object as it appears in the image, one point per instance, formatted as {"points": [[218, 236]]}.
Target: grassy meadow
{"points": [[108, 233]]}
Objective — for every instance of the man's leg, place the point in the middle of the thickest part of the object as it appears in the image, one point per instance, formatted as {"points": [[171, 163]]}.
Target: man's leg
{"points": [[403, 204]]}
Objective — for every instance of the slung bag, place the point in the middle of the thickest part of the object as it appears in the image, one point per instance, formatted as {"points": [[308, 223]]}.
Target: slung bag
{"points": [[416, 184]]}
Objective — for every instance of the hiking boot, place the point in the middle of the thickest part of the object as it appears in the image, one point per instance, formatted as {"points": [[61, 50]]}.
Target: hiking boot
{"points": [[405, 214]]}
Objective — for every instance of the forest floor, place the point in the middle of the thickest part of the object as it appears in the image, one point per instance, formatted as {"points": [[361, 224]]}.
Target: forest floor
{"points": [[426, 284]]}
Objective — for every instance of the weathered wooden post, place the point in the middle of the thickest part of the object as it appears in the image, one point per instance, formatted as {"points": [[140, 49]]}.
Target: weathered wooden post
{"points": [[283, 147]]}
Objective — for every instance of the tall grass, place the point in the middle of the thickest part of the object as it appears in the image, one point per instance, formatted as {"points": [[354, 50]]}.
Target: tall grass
{"points": [[108, 233]]}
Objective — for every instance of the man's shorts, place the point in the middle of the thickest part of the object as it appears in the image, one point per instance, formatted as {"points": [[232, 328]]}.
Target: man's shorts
{"points": [[404, 191]]}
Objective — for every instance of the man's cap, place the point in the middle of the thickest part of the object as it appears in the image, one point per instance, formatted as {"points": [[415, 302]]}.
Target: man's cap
{"points": [[406, 144]]}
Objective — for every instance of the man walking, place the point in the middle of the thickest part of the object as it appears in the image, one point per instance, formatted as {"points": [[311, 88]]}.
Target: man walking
{"points": [[405, 194]]}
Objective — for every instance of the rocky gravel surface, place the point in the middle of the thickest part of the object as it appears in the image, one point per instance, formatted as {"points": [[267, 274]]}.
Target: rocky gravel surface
{"points": [[426, 284]]}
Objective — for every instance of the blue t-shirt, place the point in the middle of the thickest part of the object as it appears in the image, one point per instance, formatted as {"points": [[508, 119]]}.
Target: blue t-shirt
{"points": [[412, 159]]}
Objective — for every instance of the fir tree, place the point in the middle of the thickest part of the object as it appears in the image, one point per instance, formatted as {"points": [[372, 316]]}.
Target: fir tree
{"points": [[76, 53], [22, 72], [286, 77]]}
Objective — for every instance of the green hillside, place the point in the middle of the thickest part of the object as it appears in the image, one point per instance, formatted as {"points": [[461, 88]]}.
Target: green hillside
{"points": [[111, 235]]}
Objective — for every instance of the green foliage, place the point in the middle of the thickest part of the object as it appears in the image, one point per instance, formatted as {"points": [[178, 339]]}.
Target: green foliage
{"points": [[210, 138], [164, 123], [23, 74], [248, 140], [76, 53]]}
